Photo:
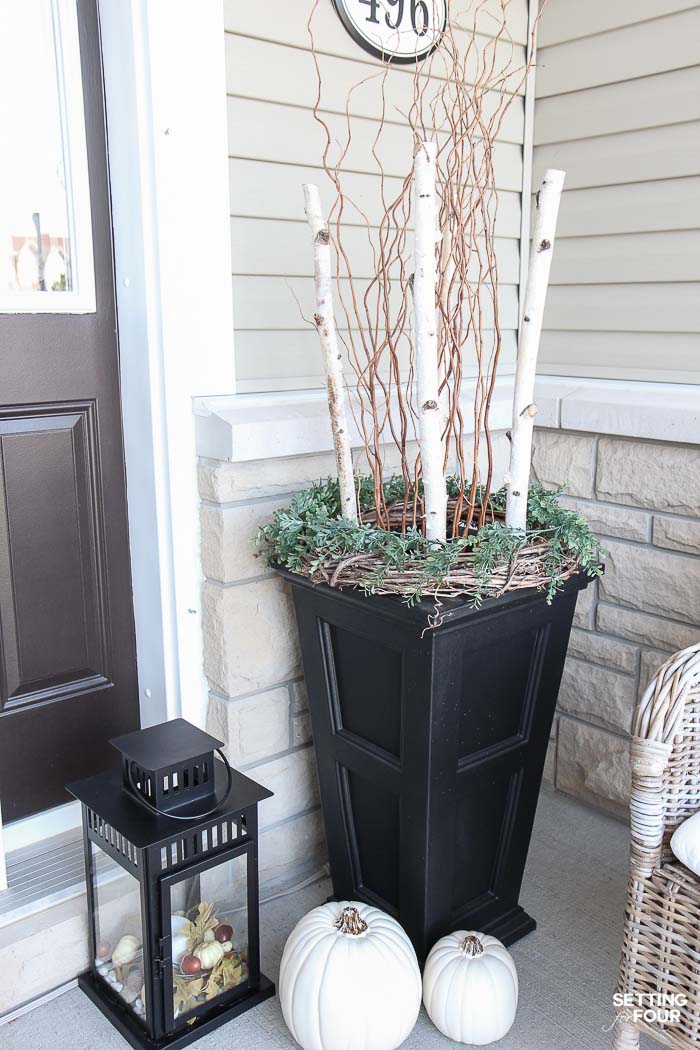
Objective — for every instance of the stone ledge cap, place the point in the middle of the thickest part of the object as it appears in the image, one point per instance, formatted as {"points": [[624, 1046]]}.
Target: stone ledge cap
{"points": [[654, 411], [243, 427]]}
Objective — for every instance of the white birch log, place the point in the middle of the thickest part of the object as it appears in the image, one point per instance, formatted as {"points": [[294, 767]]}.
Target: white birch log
{"points": [[524, 409], [430, 415], [325, 324]]}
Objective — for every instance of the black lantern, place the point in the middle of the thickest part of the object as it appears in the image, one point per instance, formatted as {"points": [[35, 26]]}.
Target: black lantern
{"points": [[171, 856]]}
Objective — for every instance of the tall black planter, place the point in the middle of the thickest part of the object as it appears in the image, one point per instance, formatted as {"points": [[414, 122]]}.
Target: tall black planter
{"points": [[430, 749]]}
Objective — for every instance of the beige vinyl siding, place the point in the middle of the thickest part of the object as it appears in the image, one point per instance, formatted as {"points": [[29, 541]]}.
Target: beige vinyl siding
{"points": [[567, 21], [618, 107], [275, 145]]}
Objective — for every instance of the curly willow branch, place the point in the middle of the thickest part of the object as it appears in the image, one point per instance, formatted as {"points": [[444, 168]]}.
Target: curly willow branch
{"points": [[458, 98]]}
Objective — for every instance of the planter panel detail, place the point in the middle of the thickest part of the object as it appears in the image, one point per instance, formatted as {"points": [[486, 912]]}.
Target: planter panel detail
{"points": [[430, 748]]}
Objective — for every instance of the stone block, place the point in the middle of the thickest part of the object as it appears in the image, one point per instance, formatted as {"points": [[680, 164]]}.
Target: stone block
{"points": [[596, 694], [608, 520], [652, 660], [610, 652], [584, 615], [645, 628], [301, 729], [229, 552], [292, 778], [550, 764], [250, 636], [227, 482], [31, 967], [300, 699], [646, 474], [291, 852], [555, 727], [253, 728], [652, 580], [593, 765], [677, 534], [562, 458]]}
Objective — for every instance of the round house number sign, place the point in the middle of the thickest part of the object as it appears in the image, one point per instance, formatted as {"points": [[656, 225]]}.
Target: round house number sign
{"points": [[395, 30]]}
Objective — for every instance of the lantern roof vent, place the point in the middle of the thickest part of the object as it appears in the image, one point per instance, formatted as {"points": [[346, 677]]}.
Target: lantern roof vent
{"points": [[162, 746]]}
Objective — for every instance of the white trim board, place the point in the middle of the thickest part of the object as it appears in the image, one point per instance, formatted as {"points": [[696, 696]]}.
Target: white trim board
{"points": [[40, 827], [169, 177]]}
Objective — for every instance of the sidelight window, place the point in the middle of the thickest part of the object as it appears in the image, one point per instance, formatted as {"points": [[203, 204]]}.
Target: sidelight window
{"points": [[46, 263]]}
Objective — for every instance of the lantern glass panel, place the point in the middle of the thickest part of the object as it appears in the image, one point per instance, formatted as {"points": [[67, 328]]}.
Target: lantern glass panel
{"points": [[209, 920], [118, 930]]}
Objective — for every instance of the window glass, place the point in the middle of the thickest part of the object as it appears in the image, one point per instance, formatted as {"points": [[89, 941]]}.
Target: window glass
{"points": [[209, 925], [118, 930], [45, 249]]}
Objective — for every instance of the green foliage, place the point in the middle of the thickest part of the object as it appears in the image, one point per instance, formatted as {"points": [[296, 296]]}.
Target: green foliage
{"points": [[310, 538]]}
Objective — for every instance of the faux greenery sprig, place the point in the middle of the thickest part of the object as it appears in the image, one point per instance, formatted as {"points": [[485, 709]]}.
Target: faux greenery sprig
{"points": [[308, 537]]}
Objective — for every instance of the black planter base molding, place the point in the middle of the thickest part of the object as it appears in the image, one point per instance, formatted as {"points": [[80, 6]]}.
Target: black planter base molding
{"points": [[124, 1020], [430, 748]]}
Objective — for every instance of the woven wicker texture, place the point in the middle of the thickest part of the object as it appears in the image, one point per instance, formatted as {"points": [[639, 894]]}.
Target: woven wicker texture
{"points": [[661, 941], [528, 569]]}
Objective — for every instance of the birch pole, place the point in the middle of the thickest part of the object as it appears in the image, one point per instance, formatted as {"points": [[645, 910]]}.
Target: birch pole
{"points": [[325, 325], [524, 409], [430, 416]]}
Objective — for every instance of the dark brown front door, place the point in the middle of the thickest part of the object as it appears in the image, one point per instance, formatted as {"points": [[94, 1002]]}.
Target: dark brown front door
{"points": [[67, 650]]}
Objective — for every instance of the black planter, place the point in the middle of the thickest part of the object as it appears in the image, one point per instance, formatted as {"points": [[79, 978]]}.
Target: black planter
{"points": [[430, 749]]}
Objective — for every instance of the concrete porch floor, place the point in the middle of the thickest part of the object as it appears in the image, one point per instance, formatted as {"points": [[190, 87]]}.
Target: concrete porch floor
{"points": [[574, 886]]}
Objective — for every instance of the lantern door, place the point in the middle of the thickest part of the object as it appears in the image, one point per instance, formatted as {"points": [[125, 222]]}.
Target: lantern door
{"points": [[209, 916], [117, 919]]}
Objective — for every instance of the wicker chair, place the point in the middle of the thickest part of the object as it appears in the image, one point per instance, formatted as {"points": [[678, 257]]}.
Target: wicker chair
{"points": [[661, 943]]}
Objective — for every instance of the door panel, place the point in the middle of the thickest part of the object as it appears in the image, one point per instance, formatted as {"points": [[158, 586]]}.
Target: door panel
{"points": [[67, 650], [51, 544]]}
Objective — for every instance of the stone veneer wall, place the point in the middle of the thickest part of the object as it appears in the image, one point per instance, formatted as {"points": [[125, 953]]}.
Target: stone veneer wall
{"points": [[643, 499], [257, 702]]}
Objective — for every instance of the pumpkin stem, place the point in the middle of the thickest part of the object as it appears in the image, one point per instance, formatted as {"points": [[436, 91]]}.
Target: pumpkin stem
{"points": [[350, 922], [472, 947]]}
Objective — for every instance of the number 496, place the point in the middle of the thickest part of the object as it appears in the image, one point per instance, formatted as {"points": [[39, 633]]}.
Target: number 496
{"points": [[420, 16]]}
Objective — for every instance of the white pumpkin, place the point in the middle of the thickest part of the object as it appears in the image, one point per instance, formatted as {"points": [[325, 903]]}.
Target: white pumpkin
{"points": [[179, 940], [209, 954], [349, 980], [470, 988]]}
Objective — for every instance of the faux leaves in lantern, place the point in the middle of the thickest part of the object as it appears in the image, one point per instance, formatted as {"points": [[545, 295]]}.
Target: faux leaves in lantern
{"points": [[226, 974], [197, 928], [185, 994]]}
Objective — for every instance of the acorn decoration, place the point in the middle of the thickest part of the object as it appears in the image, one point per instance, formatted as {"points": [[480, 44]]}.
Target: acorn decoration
{"points": [[190, 965], [210, 965]]}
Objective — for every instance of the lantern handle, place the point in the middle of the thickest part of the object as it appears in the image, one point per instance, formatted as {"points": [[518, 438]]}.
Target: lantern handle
{"points": [[174, 816]]}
